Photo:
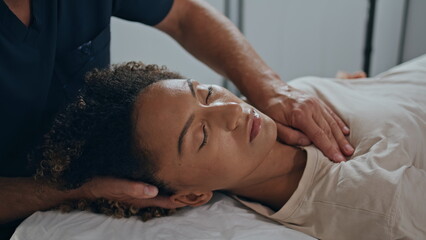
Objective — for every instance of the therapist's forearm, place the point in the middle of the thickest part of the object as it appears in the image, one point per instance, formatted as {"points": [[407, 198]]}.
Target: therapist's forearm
{"points": [[214, 40], [20, 197]]}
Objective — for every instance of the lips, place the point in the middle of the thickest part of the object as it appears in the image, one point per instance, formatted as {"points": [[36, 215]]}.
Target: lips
{"points": [[255, 126]]}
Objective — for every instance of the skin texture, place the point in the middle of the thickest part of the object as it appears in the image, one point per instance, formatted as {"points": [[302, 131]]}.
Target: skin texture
{"points": [[228, 160]]}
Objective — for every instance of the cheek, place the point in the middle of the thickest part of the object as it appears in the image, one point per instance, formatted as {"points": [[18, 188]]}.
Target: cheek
{"points": [[229, 146], [232, 155], [222, 155]]}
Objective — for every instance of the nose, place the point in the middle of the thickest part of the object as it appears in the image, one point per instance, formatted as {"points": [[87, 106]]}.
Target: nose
{"points": [[225, 114]]}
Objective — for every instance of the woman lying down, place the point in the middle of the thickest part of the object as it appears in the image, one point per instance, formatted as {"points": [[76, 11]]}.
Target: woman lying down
{"points": [[144, 123]]}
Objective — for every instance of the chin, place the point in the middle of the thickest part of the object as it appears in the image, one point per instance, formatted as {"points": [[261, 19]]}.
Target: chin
{"points": [[273, 134], [270, 127], [269, 135]]}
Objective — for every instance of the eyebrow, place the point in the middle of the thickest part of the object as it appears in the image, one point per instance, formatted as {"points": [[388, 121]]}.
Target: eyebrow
{"points": [[188, 122], [189, 81]]}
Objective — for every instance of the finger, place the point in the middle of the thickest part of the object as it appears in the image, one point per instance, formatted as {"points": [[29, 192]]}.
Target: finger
{"points": [[123, 188], [117, 189], [138, 190], [321, 138], [345, 129], [291, 136], [360, 74], [357, 75], [342, 75], [328, 127], [159, 201], [338, 136]]}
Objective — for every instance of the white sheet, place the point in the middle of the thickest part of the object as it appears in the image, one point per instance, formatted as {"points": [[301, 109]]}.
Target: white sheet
{"points": [[222, 218]]}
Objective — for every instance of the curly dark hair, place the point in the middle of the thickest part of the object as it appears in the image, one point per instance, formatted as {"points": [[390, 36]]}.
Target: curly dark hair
{"points": [[95, 136]]}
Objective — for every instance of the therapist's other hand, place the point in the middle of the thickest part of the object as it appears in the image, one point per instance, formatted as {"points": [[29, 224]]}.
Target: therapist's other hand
{"points": [[137, 194], [355, 75], [294, 110]]}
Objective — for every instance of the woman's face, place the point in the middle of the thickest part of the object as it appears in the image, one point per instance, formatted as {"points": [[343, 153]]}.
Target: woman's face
{"points": [[204, 137]]}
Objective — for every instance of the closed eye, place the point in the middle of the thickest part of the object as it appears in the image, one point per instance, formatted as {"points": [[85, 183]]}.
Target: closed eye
{"points": [[209, 93], [204, 138], [210, 90]]}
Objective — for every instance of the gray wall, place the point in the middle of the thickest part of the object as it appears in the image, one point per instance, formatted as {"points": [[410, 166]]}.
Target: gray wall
{"points": [[296, 38], [415, 38], [136, 42], [387, 35], [309, 37]]}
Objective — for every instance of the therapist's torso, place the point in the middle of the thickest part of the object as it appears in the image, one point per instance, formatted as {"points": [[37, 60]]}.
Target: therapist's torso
{"points": [[42, 66]]}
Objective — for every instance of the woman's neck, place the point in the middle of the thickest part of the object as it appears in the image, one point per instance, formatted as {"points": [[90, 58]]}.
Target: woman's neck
{"points": [[277, 177]]}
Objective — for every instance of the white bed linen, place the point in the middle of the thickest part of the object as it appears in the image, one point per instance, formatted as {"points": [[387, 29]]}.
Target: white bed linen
{"points": [[221, 218]]}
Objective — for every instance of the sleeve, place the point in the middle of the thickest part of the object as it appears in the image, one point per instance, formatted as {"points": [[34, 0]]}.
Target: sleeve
{"points": [[150, 12]]}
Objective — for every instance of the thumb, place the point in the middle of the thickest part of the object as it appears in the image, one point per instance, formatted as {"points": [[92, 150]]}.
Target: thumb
{"points": [[291, 136], [139, 190], [159, 201]]}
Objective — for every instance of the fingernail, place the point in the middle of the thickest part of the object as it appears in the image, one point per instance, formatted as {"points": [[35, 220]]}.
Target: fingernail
{"points": [[151, 191], [339, 158], [346, 129], [349, 148]]}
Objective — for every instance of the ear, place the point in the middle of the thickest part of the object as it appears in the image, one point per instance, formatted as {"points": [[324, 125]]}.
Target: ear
{"points": [[192, 198]]}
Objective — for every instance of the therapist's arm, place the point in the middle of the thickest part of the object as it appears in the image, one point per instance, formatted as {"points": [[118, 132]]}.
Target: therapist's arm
{"points": [[213, 39], [20, 197]]}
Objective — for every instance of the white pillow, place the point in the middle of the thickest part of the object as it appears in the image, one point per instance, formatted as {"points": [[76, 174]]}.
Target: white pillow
{"points": [[221, 218]]}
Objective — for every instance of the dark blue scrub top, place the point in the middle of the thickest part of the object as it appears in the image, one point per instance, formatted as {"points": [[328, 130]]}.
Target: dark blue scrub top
{"points": [[42, 66]]}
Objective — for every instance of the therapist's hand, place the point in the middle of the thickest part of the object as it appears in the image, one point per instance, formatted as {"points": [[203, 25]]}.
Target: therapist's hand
{"points": [[355, 75], [135, 193], [302, 119]]}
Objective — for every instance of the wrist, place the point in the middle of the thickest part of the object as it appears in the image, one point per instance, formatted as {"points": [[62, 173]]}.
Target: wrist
{"points": [[46, 193], [83, 192], [78, 193], [264, 88]]}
